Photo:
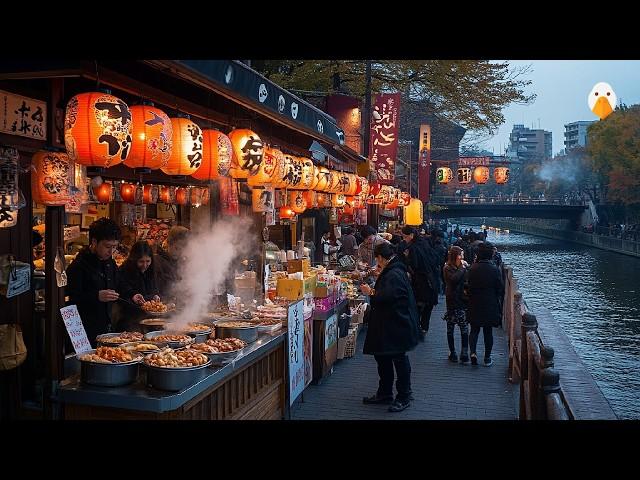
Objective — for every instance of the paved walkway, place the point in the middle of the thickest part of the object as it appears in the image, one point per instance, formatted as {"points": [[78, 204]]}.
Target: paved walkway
{"points": [[442, 390]]}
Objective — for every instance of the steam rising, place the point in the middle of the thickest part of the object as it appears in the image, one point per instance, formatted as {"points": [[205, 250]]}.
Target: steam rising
{"points": [[567, 170], [210, 256]]}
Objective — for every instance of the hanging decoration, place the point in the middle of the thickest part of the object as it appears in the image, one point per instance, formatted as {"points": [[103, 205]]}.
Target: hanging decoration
{"points": [[310, 198], [481, 175], [413, 213], [186, 151], [286, 213], [444, 175], [270, 171], [152, 138], [297, 201], [206, 196], [217, 153], [338, 200], [168, 195], [53, 178], [464, 175], [229, 202], [262, 199], [103, 192], [248, 151], [150, 194], [324, 176], [97, 130], [293, 173], [9, 196], [196, 196], [128, 193], [316, 177], [308, 170], [182, 194], [501, 175], [322, 200], [8, 218]]}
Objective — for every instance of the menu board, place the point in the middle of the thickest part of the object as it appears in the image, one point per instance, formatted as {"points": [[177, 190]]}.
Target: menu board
{"points": [[75, 329]]}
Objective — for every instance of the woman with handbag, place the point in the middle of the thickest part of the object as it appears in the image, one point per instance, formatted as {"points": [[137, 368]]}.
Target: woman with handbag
{"points": [[454, 272]]}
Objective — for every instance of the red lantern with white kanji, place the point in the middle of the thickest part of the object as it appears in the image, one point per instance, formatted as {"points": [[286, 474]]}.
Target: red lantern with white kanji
{"points": [[186, 152], [151, 138], [97, 129], [217, 153]]}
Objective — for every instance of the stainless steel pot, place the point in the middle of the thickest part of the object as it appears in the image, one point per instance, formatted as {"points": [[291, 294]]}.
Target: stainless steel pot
{"points": [[174, 345], [175, 379], [248, 334], [109, 374]]}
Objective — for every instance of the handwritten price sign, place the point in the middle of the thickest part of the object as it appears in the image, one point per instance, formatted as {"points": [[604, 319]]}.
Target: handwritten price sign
{"points": [[75, 329]]}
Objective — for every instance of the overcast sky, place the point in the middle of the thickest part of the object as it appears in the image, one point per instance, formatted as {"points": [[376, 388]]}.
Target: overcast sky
{"points": [[562, 87]]}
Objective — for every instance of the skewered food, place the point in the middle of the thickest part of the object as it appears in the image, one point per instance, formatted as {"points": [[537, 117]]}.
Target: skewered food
{"points": [[108, 355], [169, 358]]}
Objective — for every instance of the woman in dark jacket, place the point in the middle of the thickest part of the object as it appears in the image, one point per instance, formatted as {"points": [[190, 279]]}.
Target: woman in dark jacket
{"points": [[136, 277], [393, 328], [454, 271], [485, 290]]}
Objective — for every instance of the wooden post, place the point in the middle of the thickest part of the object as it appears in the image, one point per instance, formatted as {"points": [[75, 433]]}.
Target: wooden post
{"points": [[54, 300], [514, 330], [529, 324], [554, 406]]}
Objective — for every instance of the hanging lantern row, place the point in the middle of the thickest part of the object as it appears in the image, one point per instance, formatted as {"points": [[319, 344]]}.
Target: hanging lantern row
{"points": [[480, 175], [152, 194]]}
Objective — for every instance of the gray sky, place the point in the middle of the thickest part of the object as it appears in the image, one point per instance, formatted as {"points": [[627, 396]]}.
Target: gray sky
{"points": [[562, 87]]}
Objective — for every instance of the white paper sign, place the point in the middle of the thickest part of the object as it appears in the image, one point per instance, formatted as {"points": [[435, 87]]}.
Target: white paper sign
{"points": [[330, 332], [23, 116], [19, 281], [75, 329], [296, 350]]}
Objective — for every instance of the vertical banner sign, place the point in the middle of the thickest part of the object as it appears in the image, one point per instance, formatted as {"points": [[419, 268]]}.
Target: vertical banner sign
{"points": [[383, 144], [75, 329], [424, 163], [295, 322], [229, 203]]}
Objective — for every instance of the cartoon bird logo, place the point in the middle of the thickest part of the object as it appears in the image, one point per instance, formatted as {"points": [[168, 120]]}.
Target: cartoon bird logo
{"points": [[602, 100]]}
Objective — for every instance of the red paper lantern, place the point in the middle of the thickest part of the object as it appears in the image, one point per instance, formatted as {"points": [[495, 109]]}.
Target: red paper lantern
{"points": [[181, 196], [297, 201], [103, 192], [150, 194], [97, 129], [310, 198], [481, 175], [206, 196], [286, 213], [151, 138], [216, 156], [186, 151], [53, 178], [128, 193]]}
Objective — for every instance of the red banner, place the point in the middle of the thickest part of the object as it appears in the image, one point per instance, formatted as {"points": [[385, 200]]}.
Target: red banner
{"points": [[383, 145], [473, 161], [229, 204], [424, 163]]}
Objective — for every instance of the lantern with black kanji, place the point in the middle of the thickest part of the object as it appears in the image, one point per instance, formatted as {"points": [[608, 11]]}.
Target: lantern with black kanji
{"points": [[152, 137], [308, 171], [324, 176], [97, 129], [481, 175], [444, 175], [262, 199], [186, 152], [501, 175], [248, 151], [364, 187], [217, 153], [297, 201], [271, 170], [338, 200], [464, 175], [316, 177], [53, 178], [413, 214], [103, 192]]}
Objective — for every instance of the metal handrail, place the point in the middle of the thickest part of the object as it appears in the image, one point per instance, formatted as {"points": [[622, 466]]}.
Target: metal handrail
{"points": [[506, 201]]}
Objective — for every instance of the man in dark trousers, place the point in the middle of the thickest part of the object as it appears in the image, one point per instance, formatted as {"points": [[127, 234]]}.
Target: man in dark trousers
{"points": [[421, 263], [93, 278]]}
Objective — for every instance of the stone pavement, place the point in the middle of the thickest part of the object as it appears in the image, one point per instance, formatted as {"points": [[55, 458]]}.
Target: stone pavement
{"points": [[442, 390]]}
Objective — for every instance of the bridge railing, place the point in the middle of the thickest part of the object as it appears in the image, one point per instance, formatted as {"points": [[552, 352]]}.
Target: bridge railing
{"points": [[530, 360], [504, 200]]}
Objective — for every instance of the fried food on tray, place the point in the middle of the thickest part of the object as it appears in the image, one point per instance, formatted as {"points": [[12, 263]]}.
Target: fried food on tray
{"points": [[108, 355], [199, 327], [141, 347], [173, 338], [236, 324], [124, 337], [226, 344], [169, 358], [154, 306], [203, 347]]}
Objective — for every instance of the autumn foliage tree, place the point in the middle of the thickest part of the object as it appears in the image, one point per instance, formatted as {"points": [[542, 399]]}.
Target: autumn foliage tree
{"points": [[614, 150]]}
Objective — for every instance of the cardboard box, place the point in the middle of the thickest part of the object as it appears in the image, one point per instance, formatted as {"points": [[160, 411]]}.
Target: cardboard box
{"points": [[303, 265], [342, 346], [295, 289], [321, 292]]}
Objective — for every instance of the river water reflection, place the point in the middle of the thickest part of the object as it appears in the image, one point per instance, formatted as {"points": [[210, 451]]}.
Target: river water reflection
{"points": [[595, 296]]}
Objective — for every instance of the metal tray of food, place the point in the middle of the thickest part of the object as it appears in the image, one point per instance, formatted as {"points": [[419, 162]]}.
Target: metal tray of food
{"points": [[170, 343], [200, 335], [175, 379], [248, 333], [109, 374], [104, 339], [221, 357], [152, 325], [132, 345]]}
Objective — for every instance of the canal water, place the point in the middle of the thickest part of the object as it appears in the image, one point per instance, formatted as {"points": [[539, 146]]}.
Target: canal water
{"points": [[595, 296]]}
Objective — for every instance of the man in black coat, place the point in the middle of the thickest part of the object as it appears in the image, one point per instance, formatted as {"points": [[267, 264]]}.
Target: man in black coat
{"points": [[93, 278], [485, 290], [393, 329]]}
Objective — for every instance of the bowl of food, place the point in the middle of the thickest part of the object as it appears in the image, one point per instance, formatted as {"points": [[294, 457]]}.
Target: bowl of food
{"points": [[109, 366], [199, 331], [174, 370], [145, 347], [219, 350], [243, 330], [173, 339], [152, 324], [115, 339], [157, 309]]}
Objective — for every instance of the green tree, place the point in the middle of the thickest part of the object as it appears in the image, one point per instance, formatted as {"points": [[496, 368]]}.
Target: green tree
{"points": [[471, 93], [614, 150]]}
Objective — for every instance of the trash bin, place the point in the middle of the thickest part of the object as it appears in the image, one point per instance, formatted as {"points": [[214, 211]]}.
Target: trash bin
{"points": [[343, 325]]}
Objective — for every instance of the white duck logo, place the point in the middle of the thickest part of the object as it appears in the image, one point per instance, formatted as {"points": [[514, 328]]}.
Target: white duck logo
{"points": [[602, 100]]}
